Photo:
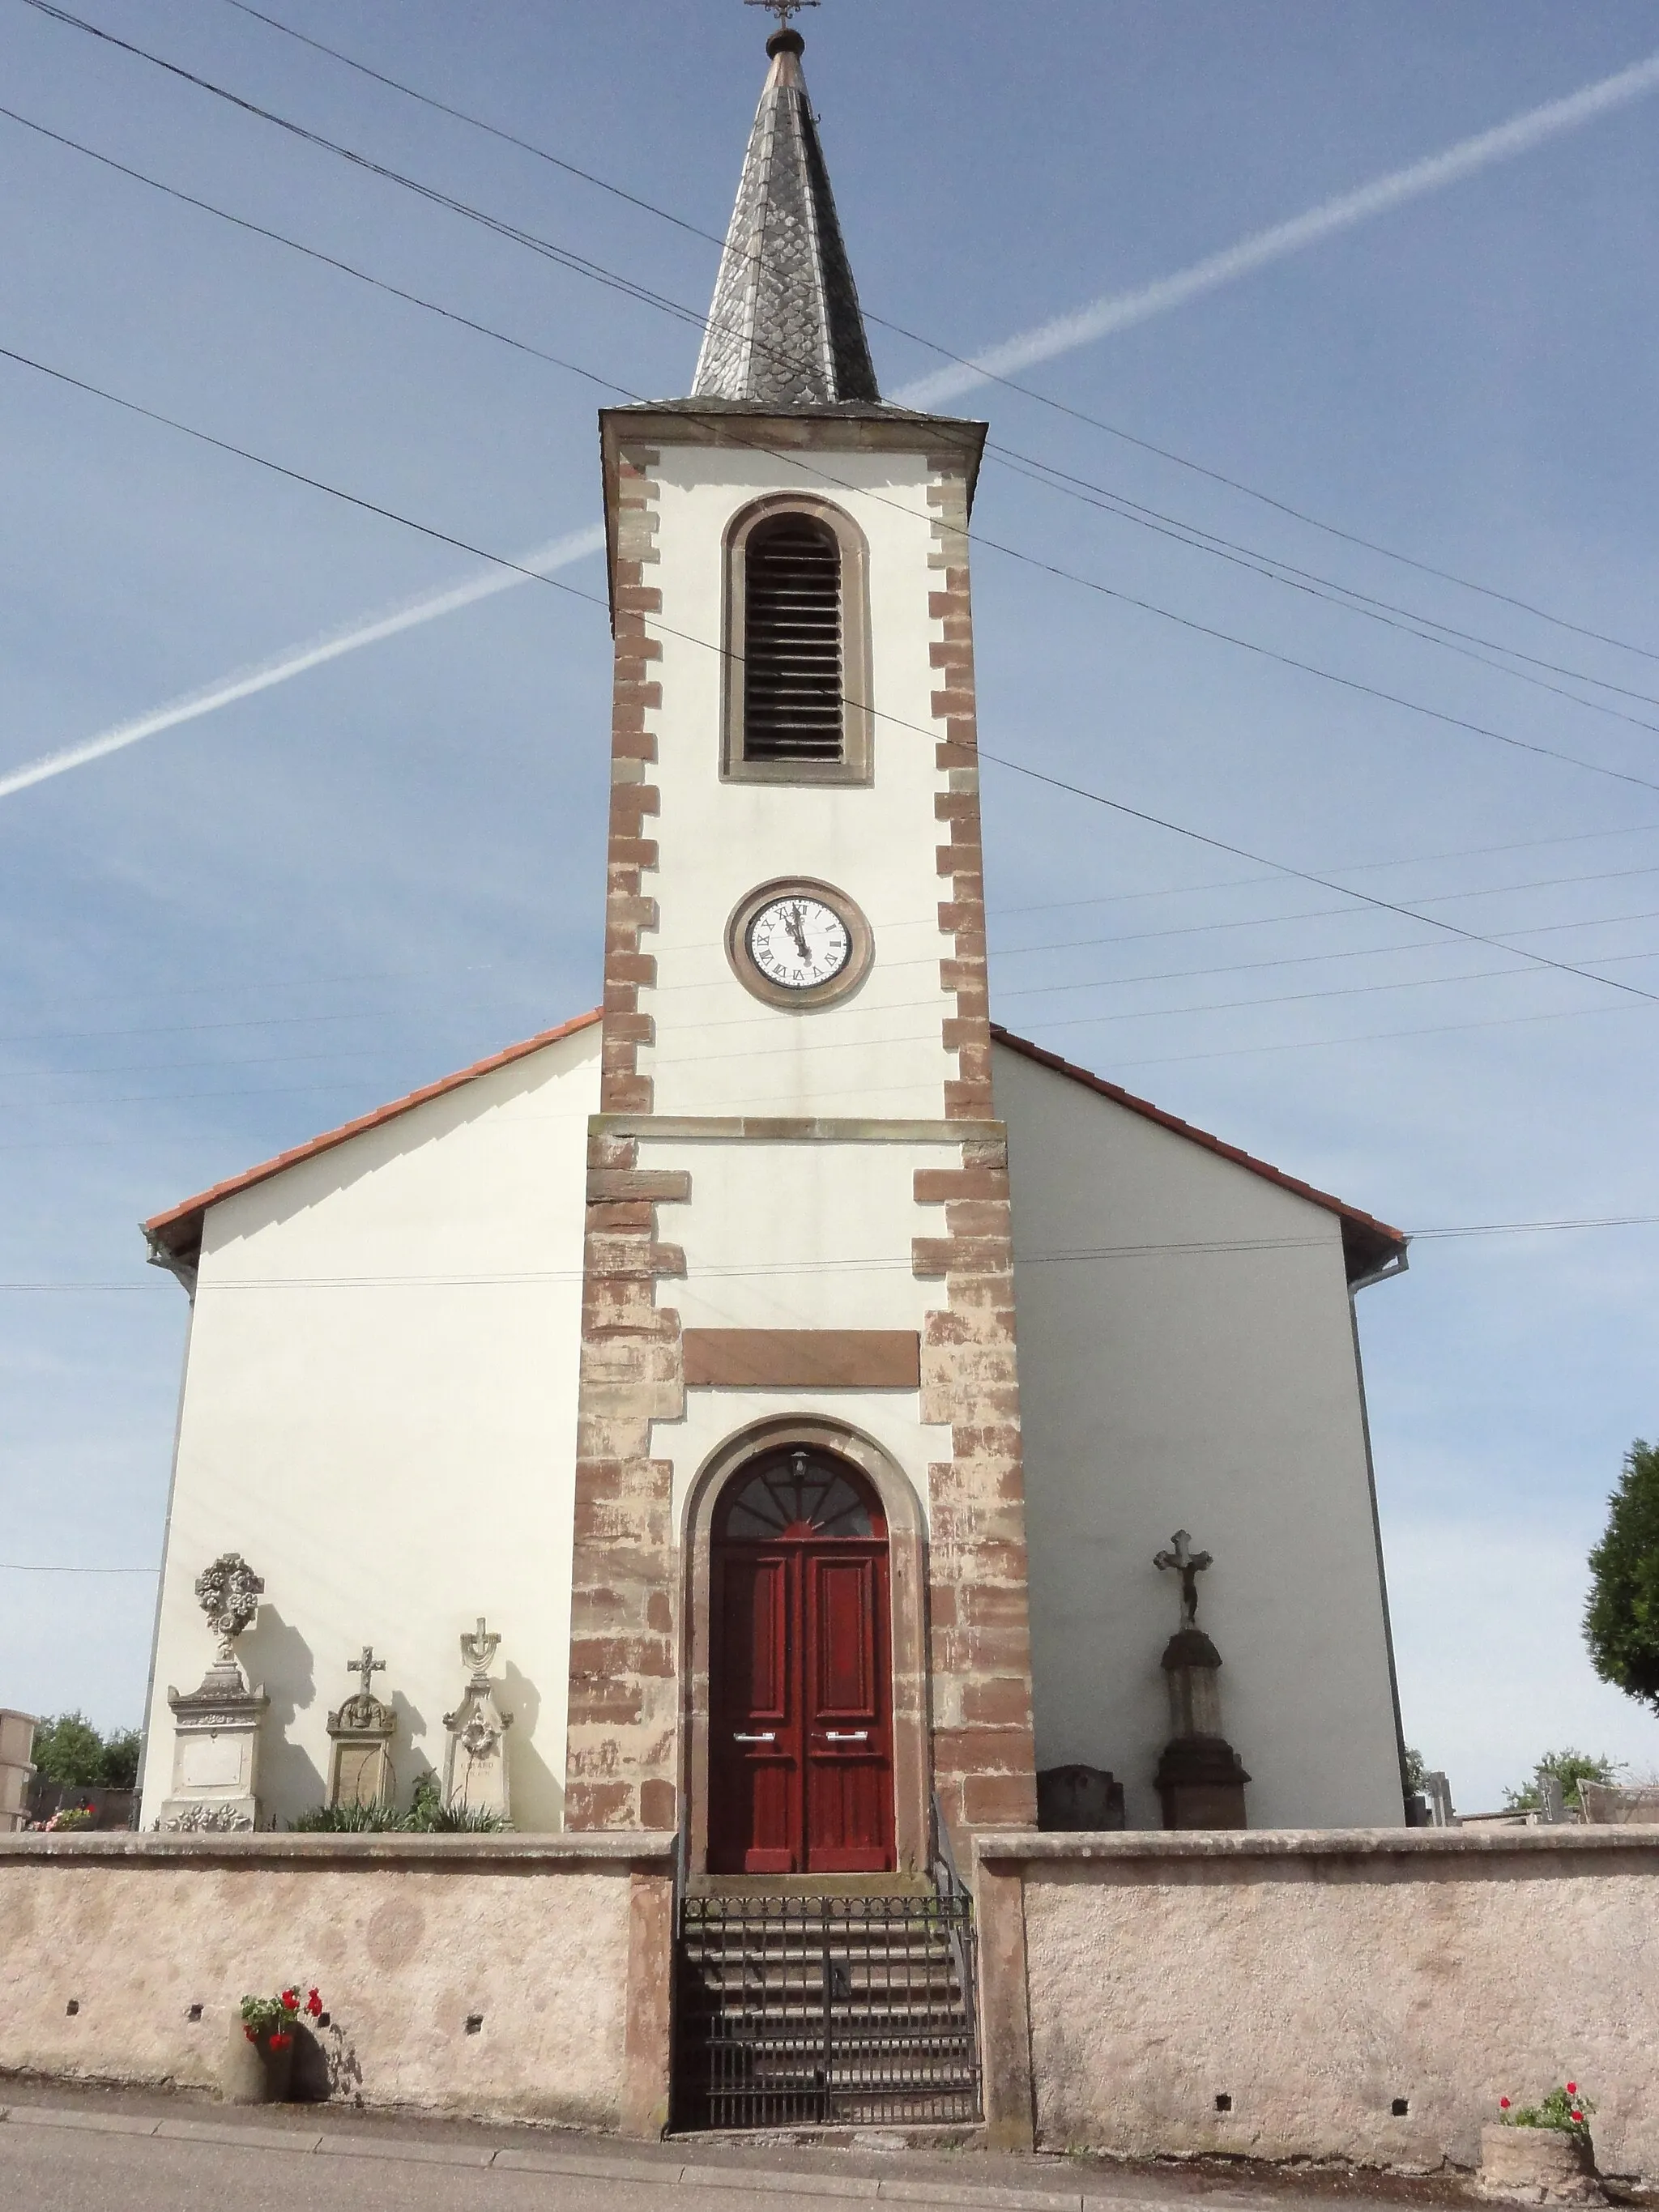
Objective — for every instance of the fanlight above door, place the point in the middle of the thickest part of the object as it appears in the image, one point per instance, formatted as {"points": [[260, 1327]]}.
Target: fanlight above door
{"points": [[799, 1496]]}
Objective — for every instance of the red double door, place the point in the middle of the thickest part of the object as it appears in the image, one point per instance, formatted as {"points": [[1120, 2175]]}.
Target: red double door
{"points": [[800, 1704]]}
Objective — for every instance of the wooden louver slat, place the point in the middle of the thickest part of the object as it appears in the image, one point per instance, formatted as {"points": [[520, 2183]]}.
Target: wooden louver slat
{"points": [[792, 691]]}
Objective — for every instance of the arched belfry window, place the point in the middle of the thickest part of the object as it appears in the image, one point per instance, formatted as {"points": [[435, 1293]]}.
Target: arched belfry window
{"points": [[796, 633]]}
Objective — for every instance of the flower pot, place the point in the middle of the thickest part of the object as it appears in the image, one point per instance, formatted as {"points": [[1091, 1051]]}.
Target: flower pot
{"points": [[255, 2070], [1538, 2165]]}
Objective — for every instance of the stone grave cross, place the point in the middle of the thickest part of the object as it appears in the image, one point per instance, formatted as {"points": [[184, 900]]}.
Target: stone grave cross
{"points": [[1189, 1564]]}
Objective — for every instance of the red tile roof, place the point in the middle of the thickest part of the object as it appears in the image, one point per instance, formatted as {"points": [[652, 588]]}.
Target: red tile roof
{"points": [[178, 1233], [1368, 1244]]}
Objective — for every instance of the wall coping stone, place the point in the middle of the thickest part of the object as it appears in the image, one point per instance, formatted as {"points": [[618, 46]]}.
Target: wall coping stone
{"points": [[641, 1848], [1027, 1847]]}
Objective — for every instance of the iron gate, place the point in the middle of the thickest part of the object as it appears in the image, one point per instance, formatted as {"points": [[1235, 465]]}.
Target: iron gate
{"points": [[826, 2011]]}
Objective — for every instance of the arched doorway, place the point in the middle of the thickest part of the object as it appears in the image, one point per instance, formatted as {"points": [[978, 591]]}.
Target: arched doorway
{"points": [[800, 1689]]}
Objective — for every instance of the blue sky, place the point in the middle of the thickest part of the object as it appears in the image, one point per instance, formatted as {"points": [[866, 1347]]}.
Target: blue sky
{"points": [[249, 928]]}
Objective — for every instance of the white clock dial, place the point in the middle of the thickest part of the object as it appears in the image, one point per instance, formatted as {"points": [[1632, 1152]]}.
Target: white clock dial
{"points": [[798, 942]]}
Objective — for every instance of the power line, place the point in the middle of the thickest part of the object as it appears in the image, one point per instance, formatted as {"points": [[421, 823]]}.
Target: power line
{"points": [[1010, 552], [877, 1264], [1001, 953], [932, 345], [1404, 621], [1018, 767]]}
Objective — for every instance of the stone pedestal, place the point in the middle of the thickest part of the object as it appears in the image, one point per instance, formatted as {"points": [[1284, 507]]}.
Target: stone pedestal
{"points": [[215, 1755], [16, 1743], [476, 1777], [1200, 1783], [1200, 1777], [215, 1727]]}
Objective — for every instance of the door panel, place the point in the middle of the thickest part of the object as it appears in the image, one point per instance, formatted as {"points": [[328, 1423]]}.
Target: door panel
{"points": [[754, 1778], [846, 1719], [801, 1722]]}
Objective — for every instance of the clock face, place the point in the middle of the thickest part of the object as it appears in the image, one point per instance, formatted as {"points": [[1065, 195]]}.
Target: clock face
{"points": [[798, 942]]}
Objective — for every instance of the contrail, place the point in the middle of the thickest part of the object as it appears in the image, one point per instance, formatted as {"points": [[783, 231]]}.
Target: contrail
{"points": [[561, 553], [1119, 310]]}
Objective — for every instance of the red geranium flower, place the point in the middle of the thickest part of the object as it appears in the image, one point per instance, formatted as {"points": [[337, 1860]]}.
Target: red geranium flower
{"points": [[314, 2005], [1572, 2088], [251, 2034], [280, 2042], [1577, 2116], [290, 2001], [1503, 2103]]}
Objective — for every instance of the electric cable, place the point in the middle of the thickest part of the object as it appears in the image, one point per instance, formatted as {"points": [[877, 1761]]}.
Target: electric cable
{"points": [[932, 345], [1251, 559], [1011, 552], [1058, 783]]}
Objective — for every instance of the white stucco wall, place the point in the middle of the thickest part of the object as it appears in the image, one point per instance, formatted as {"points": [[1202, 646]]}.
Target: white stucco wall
{"points": [[1214, 1390], [380, 1414], [799, 1236], [718, 1050]]}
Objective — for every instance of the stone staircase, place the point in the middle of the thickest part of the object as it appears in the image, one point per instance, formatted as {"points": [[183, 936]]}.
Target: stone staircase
{"points": [[851, 2009]]}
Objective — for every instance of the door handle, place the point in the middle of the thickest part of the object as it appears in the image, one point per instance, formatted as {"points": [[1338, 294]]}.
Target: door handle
{"points": [[848, 1735], [770, 1736]]}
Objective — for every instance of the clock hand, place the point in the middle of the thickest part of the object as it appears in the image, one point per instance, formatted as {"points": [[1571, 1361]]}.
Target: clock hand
{"points": [[793, 916]]}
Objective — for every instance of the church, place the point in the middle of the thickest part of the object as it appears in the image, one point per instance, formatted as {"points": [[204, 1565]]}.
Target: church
{"points": [[781, 1408]]}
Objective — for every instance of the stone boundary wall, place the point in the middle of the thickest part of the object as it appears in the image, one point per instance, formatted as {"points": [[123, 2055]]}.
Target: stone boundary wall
{"points": [[1316, 1981], [560, 1947]]}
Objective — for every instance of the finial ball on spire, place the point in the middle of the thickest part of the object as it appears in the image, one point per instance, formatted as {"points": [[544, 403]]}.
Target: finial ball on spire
{"points": [[784, 39]]}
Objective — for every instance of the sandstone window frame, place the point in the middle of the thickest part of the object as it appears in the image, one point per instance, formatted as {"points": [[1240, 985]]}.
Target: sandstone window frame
{"points": [[857, 763]]}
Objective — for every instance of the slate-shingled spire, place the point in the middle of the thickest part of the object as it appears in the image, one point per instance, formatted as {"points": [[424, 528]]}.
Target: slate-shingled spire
{"points": [[785, 329]]}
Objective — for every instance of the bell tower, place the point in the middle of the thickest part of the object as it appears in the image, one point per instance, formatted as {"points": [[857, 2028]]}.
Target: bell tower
{"points": [[798, 1254]]}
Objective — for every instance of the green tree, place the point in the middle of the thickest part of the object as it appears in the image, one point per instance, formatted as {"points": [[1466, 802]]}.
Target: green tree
{"points": [[1571, 1766], [1413, 1773], [121, 1748], [1621, 1621], [69, 1749]]}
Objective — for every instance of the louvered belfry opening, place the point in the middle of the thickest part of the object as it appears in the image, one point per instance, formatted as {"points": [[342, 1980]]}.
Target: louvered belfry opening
{"points": [[791, 689]]}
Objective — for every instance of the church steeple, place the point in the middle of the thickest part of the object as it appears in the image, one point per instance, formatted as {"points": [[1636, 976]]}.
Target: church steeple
{"points": [[785, 329]]}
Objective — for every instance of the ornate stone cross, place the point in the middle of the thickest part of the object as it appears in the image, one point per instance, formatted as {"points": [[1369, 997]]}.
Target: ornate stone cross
{"points": [[478, 1649], [363, 1667], [783, 9], [1189, 1564]]}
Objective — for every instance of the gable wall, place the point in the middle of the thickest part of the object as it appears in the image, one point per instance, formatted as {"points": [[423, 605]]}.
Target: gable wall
{"points": [[1213, 1390], [394, 1454]]}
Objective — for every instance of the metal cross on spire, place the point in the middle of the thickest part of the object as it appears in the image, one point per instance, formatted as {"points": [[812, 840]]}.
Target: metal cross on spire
{"points": [[783, 9], [363, 1667], [1190, 1564]]}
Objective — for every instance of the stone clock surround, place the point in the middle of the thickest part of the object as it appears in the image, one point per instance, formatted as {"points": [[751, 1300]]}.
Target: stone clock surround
{"points": [[626, 1702]]}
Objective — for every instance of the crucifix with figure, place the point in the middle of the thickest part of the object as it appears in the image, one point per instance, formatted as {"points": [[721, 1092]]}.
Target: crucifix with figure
{"points": [[1189, 1564]]}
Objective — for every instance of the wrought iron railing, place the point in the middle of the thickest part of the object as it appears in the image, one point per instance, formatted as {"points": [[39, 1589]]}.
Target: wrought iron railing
{"points": [[826, 2011]]}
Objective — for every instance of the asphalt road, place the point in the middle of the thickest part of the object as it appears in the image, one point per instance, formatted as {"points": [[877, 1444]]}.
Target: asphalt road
{"points": [[129, 2154]]}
